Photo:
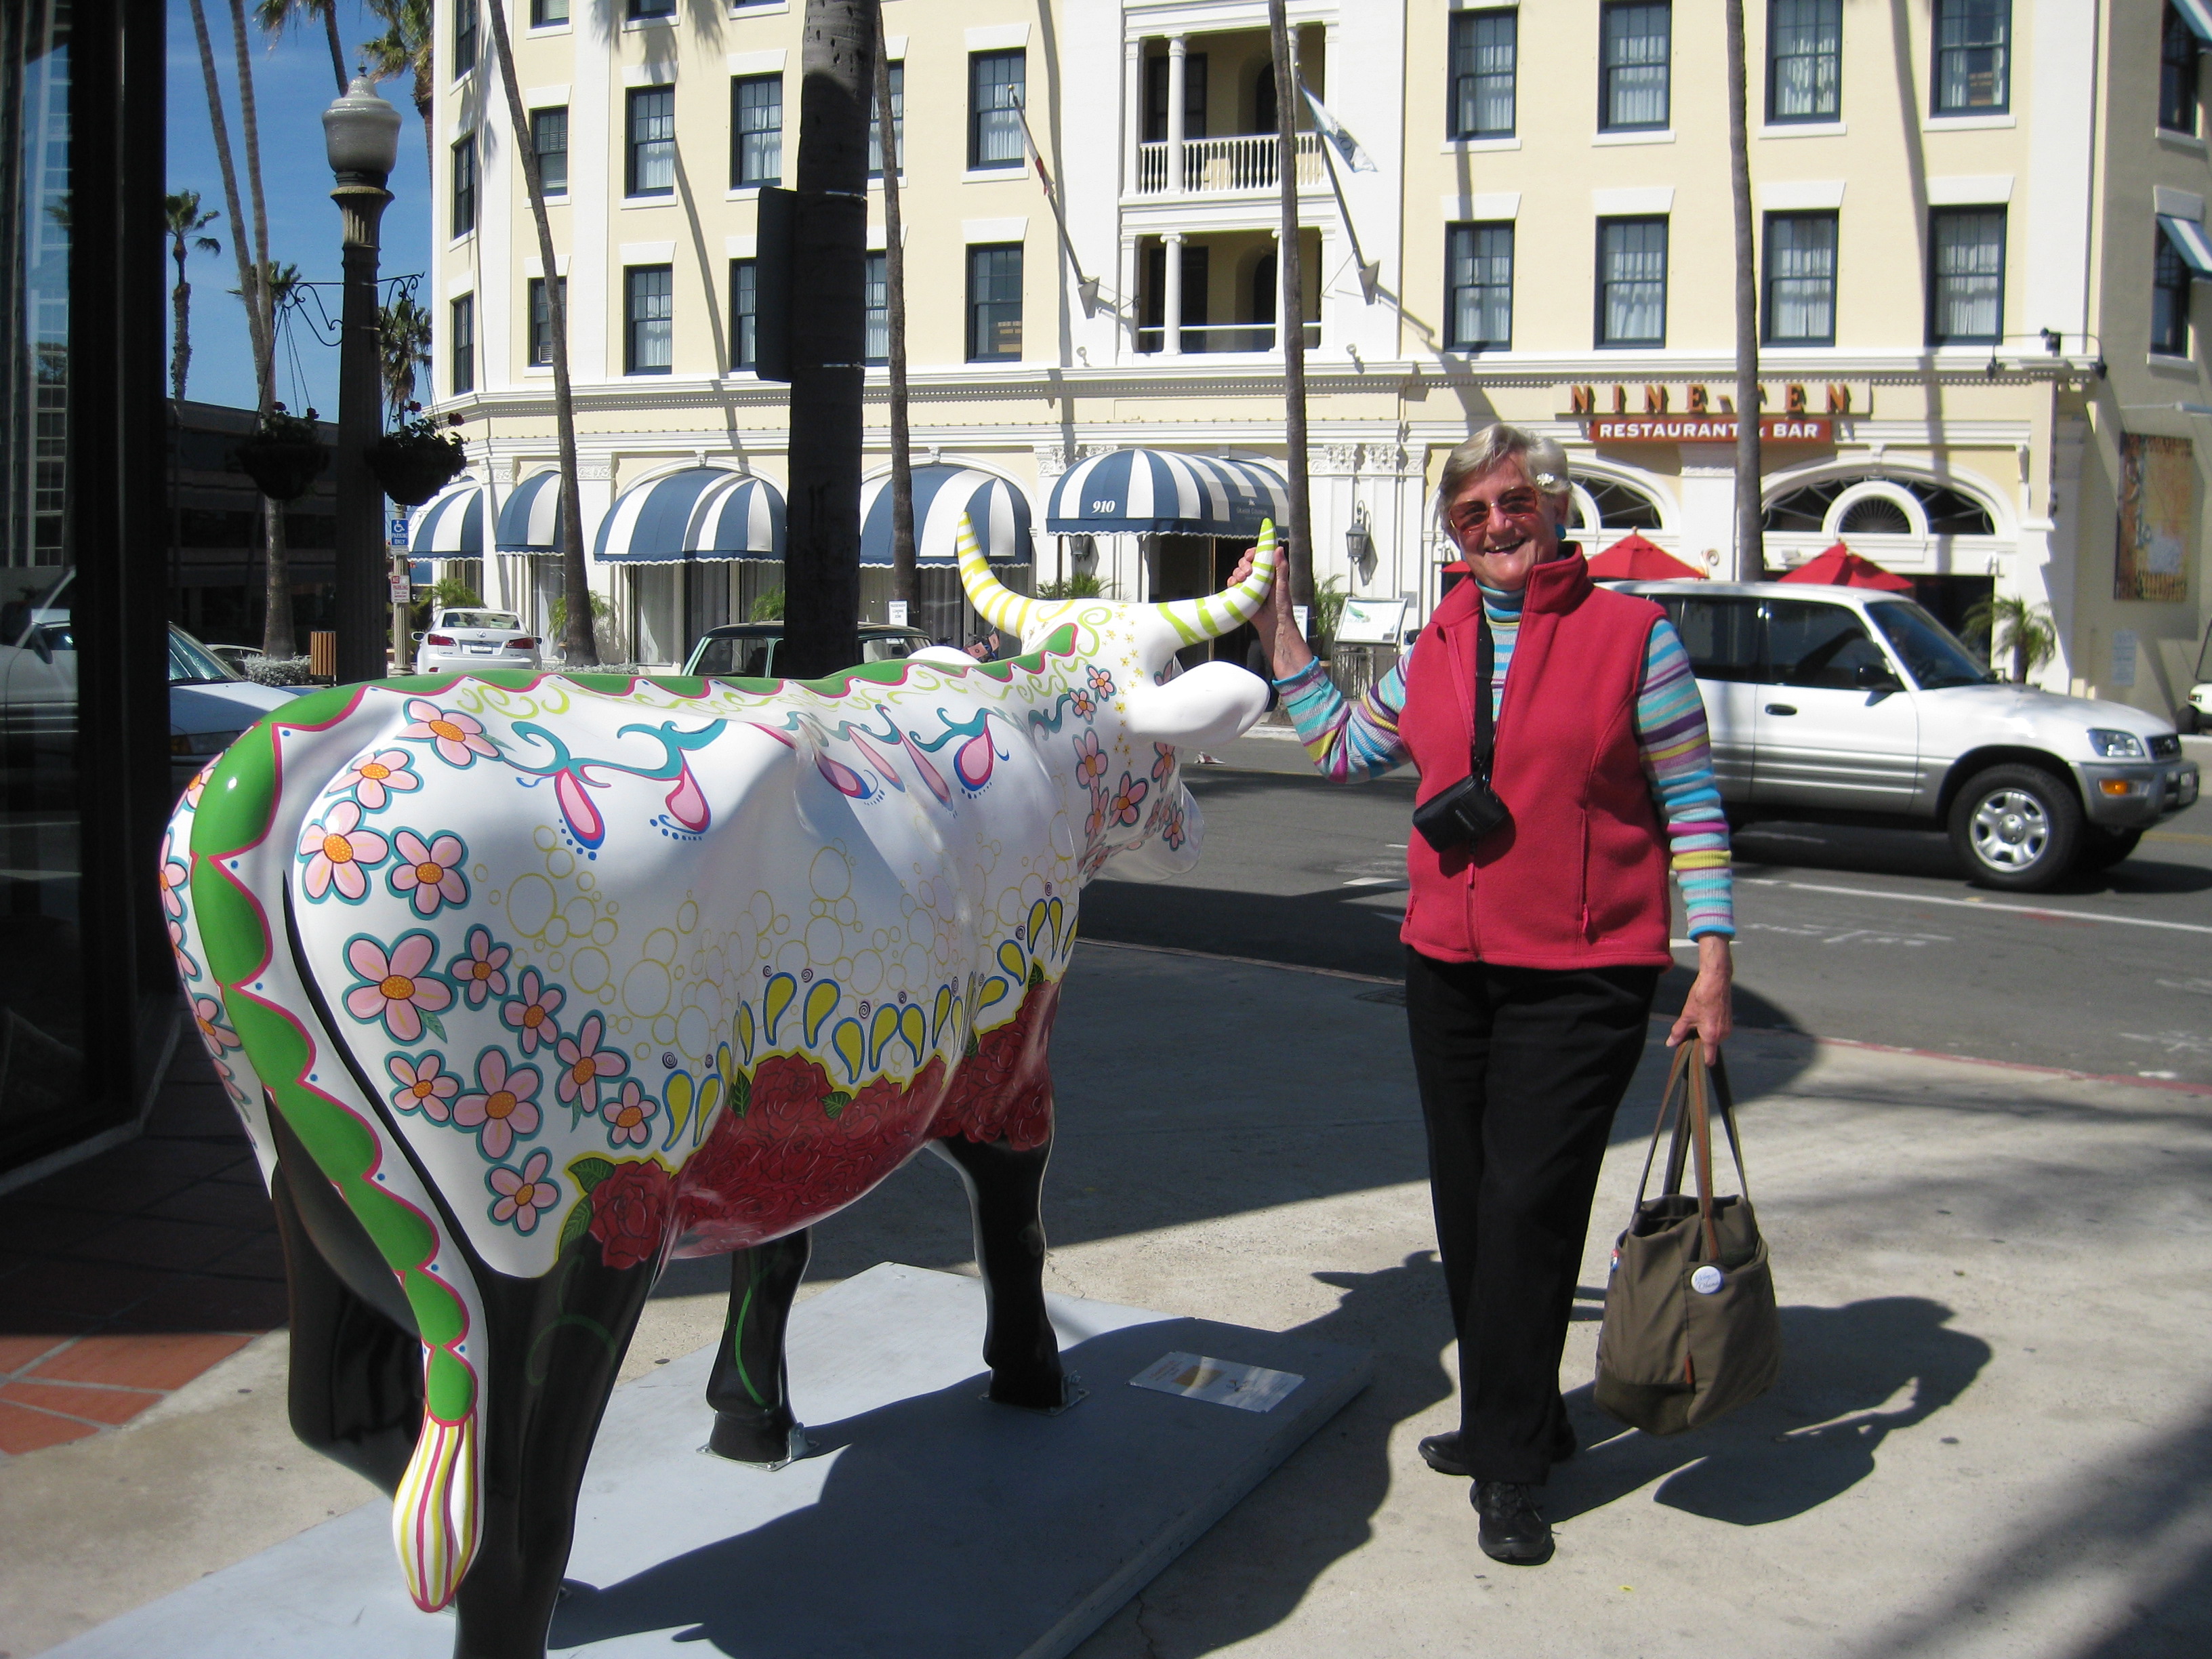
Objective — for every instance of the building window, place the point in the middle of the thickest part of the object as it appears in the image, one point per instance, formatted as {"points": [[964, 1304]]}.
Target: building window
{"points": [[1973, 56], [546, 14], [996, 82], [1804, 60], [461, 362], [994, 304], [648, 318], [1632, 282], [1484, 51], [2169, 300], [464, 185], [640, 9], [1800, 279], [465, 37], [1158, 75], [1479, 286], [652, 170], [898, 125], [1633, 69], [1966, 287], [2177, 74], [541, 319], [756, 130], [549, 140], [878, 349], [745, 313]]}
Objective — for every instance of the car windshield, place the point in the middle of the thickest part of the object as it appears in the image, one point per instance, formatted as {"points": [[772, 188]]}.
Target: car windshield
{"points": [[889, 647], [192, 663], [506, 619], [1931, 652]]}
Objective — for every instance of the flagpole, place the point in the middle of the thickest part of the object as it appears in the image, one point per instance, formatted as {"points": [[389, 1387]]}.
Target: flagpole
{"points": [[1368, 274], [1086, 287]]}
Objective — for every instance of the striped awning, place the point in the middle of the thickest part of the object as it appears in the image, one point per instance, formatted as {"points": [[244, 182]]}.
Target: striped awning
{"points": [[703, 513], [2198, 15], [999, 510], [1166, 492], [529, 517], [2189, 241], [452, 526]]}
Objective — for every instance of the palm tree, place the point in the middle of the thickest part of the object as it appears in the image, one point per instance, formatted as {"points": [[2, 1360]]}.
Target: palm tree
{"points": [[402, 335], [903, 586], [185, 222], [1750, 521], [273, 15], [1291, 306], [2020, 629], [408, 47], [578, 646]]}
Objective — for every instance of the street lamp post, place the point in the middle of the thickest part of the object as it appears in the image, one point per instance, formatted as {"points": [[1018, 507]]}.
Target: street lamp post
{"points": [[361, 134]]}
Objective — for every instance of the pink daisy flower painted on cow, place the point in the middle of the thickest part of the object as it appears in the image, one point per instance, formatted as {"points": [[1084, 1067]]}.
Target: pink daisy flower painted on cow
{"points": [[1090, 763], [522, 1193], [340, 853], [629, 1115], [207, 1014], [482, 971], [175, 874], [197, 786], [375, 778], [397, 987], [532, 1011], [503, 1107], [1128, 799], [187, 968], [583, 1060], [425, 1085], [459, 738], [430, 870]]}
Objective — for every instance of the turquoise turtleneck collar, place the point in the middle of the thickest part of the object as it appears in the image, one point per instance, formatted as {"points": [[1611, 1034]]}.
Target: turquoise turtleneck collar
{"points": [[1503, 606]]}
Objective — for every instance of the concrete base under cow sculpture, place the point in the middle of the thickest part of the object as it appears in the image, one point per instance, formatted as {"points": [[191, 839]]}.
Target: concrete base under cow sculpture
{"points": [[524, 982]]}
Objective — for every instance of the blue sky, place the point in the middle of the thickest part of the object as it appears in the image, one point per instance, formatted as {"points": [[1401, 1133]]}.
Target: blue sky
{"points": [[292, 85]]}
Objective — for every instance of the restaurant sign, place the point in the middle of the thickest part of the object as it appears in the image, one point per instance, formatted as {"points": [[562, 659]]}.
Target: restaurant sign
{"points": [[1705, 429]]}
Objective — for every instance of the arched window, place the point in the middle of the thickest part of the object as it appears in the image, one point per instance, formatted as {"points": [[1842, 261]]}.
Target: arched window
{"points": [[1879, 508], [1616, 506]]}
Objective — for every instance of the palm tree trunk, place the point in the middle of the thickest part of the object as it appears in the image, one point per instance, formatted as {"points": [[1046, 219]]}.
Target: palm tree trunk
{"points": [[180, 348], [1293, 324], [902, 575], [257, 294], [229, 168], [1750, 518], [337, 50], [822, 571], [578, 646]]}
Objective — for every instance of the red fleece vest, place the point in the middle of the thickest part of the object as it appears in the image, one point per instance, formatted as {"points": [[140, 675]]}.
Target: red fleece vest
{"points": [[1579, 879]]}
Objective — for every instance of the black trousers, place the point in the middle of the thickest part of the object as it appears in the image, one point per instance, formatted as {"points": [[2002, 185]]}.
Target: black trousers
{"points": [[1520, 1070]]}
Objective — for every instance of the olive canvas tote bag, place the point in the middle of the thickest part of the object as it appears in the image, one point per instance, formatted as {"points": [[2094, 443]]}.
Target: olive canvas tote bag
{"points": [[1691, 1331]]}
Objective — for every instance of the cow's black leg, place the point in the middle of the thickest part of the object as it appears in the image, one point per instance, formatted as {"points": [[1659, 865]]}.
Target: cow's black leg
{"points": [[355, 1390], [555, 1344], [749, 1388], [1018, 1344]]}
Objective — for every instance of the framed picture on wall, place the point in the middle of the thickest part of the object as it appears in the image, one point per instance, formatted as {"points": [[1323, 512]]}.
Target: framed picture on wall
{"points": [[2158, 499]]}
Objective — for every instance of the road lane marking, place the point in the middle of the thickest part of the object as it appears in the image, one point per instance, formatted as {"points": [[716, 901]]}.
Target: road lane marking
{"points": [[2043, 910], [2178, 835], [1376, 881], [1827, 935]]}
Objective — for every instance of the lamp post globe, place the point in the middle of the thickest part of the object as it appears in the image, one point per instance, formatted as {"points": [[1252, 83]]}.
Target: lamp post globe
{"points": [[361, 138]]}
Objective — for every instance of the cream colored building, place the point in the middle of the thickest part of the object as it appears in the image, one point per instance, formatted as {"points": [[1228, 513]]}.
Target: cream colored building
{"points": [[1968, 235]]}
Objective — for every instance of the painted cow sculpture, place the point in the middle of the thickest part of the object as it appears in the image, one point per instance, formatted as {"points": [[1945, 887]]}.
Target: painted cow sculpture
{"points": [[524, 983]]}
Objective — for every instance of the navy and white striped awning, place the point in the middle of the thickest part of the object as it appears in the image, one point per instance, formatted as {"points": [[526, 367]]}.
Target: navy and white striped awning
{"points": [[529, 517], [452, 526], [999, 510], [702, 513], [1164, 492], [2198, 15], [2189, 241]]}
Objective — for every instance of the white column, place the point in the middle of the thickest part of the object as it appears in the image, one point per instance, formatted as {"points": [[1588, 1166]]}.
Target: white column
{"points": [[1178, 47], [1132, 112], [1126, 343], [1172, 293]]}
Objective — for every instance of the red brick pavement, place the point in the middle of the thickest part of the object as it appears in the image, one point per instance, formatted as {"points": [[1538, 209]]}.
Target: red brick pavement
{"points": [[124, 1276]]}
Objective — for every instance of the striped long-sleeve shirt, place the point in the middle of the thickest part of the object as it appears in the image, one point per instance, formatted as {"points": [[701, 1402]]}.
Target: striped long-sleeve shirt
{"points": [[1354, 741]]}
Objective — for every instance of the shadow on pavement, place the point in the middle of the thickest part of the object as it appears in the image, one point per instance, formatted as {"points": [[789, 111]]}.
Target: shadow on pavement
{"points": [[1773, 846]]}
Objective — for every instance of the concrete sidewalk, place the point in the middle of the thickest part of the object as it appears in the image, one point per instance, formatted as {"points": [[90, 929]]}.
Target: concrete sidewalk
{"points": [[1994, 1434]]}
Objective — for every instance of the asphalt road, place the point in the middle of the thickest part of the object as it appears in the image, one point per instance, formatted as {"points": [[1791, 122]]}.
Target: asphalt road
{"points": [[1874, 935]]}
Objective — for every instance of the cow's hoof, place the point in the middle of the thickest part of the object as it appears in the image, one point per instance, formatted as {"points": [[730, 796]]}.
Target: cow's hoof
{"points": [[764, 1445], [1048, 1396]]}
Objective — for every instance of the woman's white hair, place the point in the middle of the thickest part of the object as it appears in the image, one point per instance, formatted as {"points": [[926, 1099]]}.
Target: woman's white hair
{"points": [[1542, 460]]}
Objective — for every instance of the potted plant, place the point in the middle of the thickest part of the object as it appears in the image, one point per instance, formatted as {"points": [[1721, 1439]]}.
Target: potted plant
{"points": [[285, 455], [417, 459]]}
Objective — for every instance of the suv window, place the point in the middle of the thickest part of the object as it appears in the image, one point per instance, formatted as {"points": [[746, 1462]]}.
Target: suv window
{"points": [[1931, 651], [1811, 644], [743, 656], [1721, 635]]}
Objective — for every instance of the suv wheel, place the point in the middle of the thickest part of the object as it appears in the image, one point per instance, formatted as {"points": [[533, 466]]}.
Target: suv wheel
{"points": [[2017, 827]]}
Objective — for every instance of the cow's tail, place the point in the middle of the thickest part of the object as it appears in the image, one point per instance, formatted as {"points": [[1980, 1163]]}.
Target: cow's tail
{"points": [[242, 837]]}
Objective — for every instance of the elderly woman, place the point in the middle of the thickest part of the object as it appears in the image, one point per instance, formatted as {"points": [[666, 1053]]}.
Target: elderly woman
{"points": [[1535, 934]]}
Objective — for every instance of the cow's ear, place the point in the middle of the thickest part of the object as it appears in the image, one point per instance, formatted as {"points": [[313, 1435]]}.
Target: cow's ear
{"points": [[1210, 703]]}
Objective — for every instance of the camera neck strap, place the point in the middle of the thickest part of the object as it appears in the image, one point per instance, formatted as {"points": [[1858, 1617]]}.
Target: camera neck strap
{"points": [[1484, 746]]}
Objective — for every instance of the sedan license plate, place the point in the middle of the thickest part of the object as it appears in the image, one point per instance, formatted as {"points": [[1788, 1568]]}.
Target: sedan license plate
{"points": [[482, 650]]}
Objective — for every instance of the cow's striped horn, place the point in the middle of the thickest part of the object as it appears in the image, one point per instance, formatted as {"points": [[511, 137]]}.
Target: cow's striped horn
{"points": [[1217, 614], [1000, 605], [437, 1518]]}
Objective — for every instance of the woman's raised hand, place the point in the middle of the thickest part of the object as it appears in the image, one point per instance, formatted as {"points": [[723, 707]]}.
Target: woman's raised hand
{"points": [[1276, 624]]}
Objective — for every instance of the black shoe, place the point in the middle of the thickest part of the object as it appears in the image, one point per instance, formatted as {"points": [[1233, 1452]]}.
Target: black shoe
{"points": [[1440, 1452], [1513, 1529]]}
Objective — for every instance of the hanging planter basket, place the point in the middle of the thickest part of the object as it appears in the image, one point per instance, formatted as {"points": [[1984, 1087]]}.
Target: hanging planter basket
{"points": [[285, 457], [413, 467]]}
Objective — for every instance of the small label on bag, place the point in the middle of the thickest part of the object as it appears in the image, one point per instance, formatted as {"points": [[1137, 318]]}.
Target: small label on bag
{"points": [[1706, 1280]]}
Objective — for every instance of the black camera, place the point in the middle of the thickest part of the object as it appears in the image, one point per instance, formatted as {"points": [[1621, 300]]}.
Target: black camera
{"points": [[1462, 815]]}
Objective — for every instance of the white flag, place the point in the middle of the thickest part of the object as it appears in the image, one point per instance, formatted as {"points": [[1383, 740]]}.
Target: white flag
{"points": [[1335, 132]]}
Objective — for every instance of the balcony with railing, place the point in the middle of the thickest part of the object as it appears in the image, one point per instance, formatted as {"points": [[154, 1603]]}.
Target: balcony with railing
{"points": [[1217, 294], [1248, 162]]}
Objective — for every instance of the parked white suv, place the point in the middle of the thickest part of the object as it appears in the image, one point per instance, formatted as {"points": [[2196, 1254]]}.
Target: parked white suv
{"points": [[1844, 704]]}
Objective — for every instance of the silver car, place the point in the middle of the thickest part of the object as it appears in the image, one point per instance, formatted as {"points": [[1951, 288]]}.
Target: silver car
{"points": [[471, 638], [1846, 704]]}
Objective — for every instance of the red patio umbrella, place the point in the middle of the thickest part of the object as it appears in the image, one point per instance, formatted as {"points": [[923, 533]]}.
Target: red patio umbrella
{"points": [[1634, 559], [1838, 566]]}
